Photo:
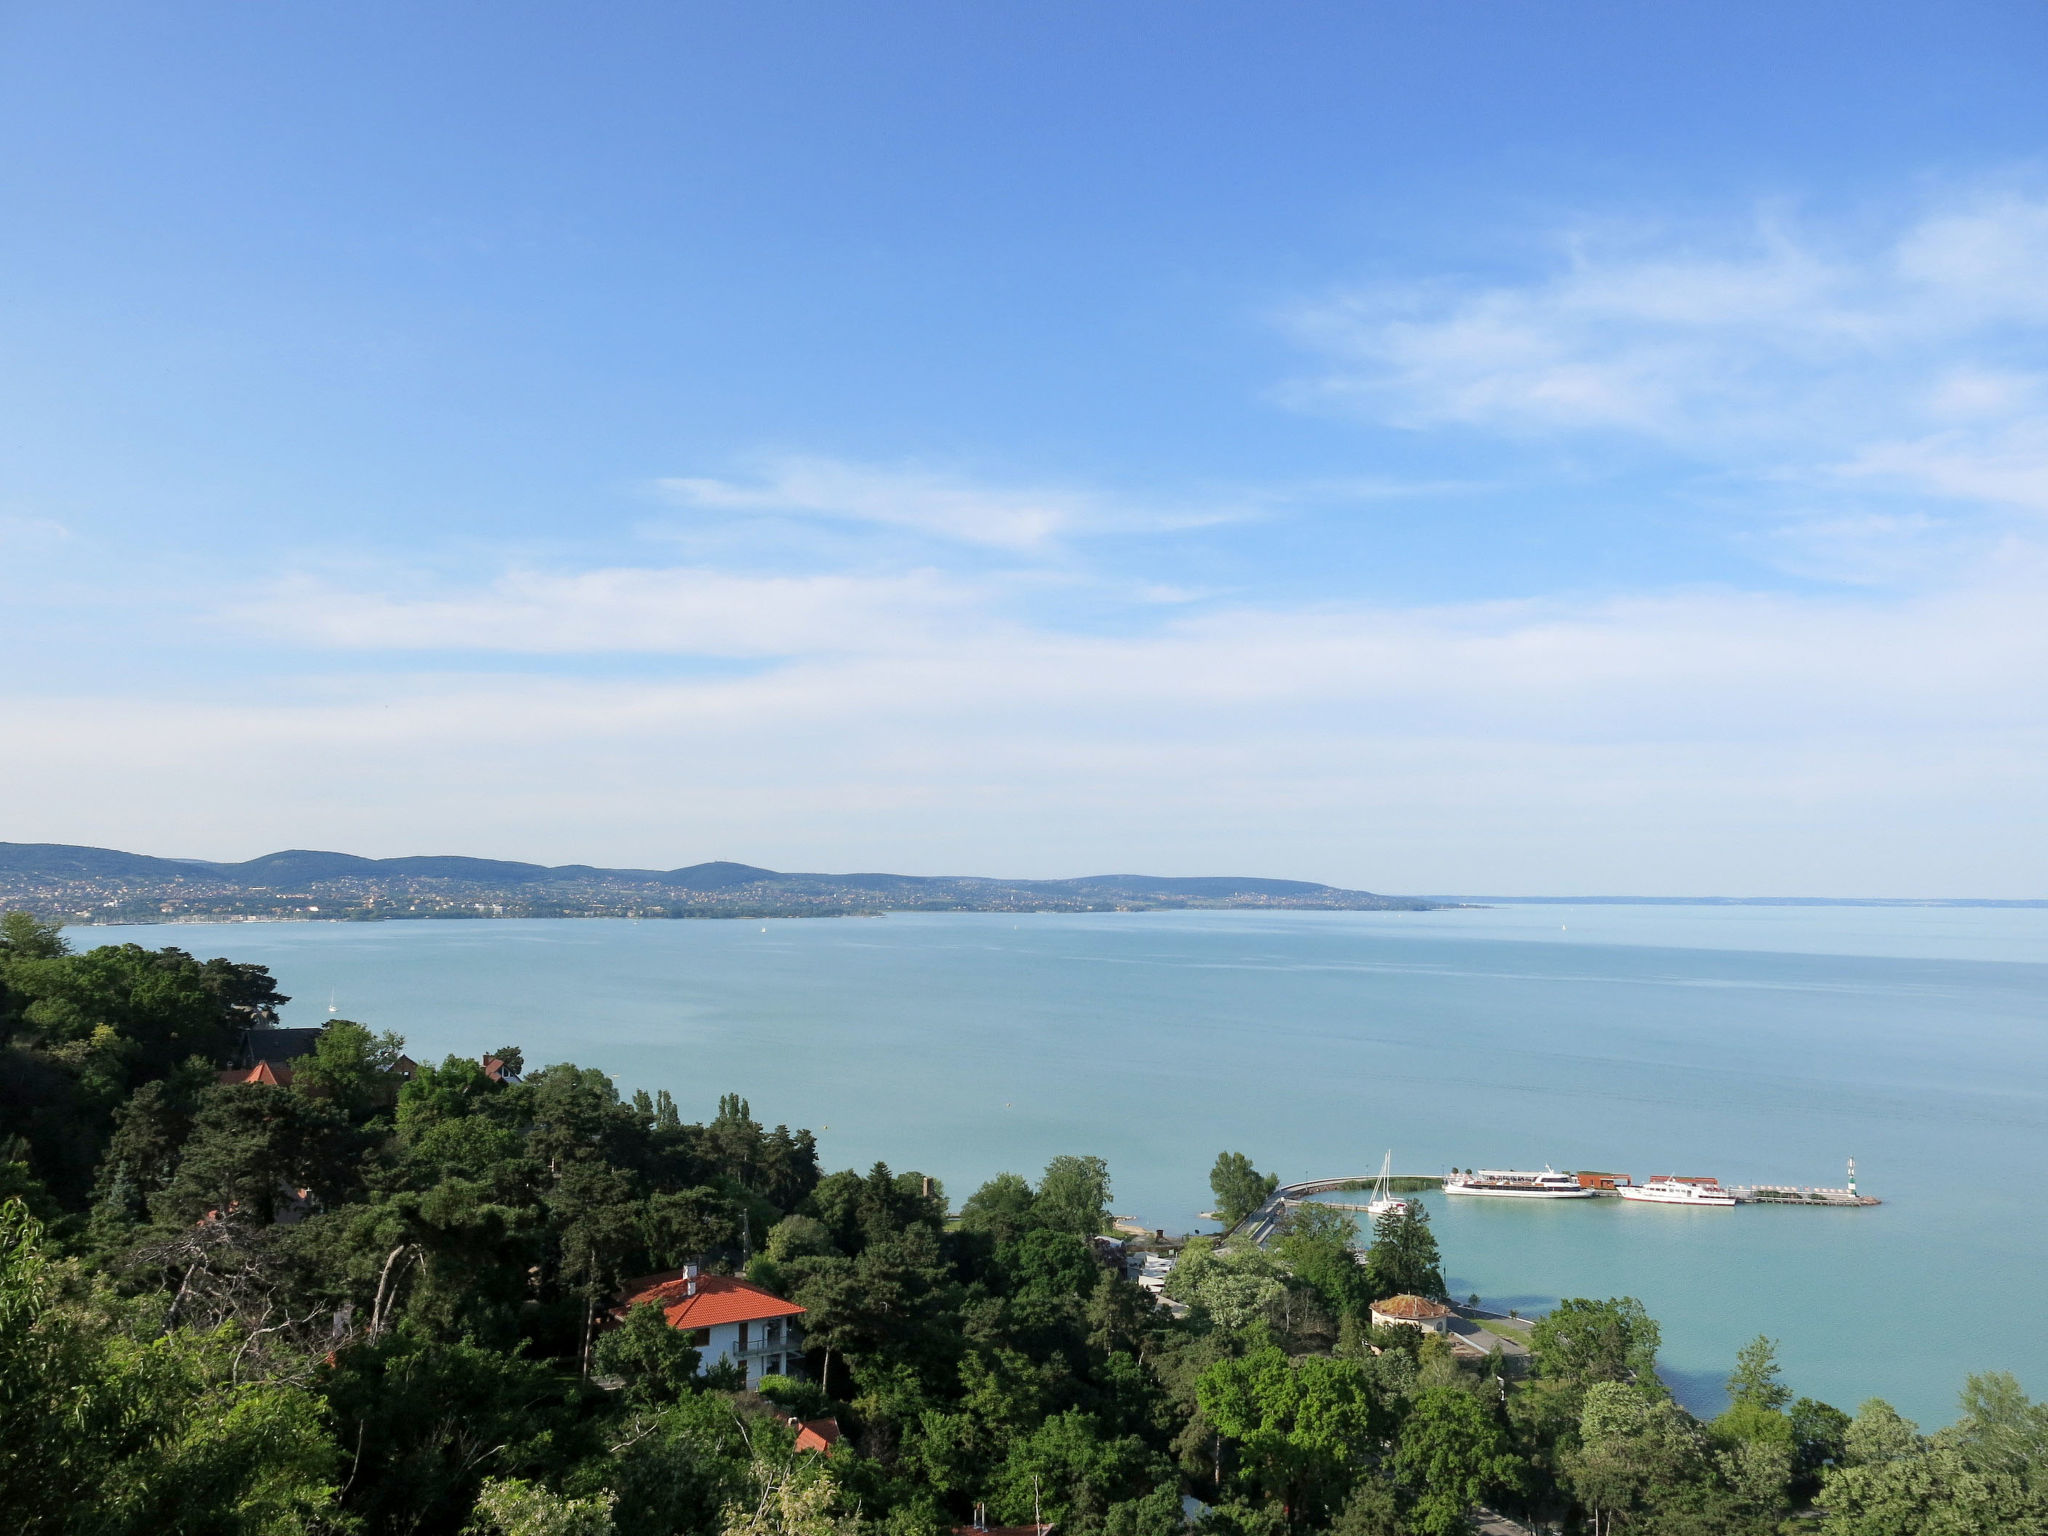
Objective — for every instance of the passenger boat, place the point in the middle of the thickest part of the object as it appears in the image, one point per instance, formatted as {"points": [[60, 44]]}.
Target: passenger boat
{"points": [[1516, 1184], [1672, 1189]]}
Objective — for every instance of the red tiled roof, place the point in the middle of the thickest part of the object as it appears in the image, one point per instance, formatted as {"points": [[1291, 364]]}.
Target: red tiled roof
{"points": [[719, 1299], [275, 1074], [817, 1435], [1417, 1308]]}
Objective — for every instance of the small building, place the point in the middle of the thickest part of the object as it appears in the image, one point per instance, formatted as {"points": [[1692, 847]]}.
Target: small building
{"points": [[1603, 1183], [1411, 1312], [730, 1318], [265, 1056], [1148, 1270], [817, 1435], [271, 1074]]}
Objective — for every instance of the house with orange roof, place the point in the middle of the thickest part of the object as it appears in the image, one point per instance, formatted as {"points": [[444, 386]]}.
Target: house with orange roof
{"points": [[1411, 1312], [266, 1055], [730, 1318]]}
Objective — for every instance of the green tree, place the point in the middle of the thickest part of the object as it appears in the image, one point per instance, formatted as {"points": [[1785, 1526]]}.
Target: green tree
{"points": [[1403, 1259], [1453, 1453], [252, 1148], [678, 1226], [1239, 1188], [1933, 1491], [2001, 1430], [352, 1068], [1756, 1378], [1067, 1471], [1317, 1242], [1231, 1284], [432, 1420], [1633, 1449], [1002, 1208], [1819, 1441], [115, 1435], [1374, 1509], [798, 1237], [1878, 1434], [24, 936], [1304, 1426], [793, 1500], [1073, 1196], [511, 1506], [1579, 1342], [656, 1362]]}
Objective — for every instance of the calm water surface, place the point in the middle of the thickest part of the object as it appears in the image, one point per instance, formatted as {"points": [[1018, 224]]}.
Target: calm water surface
{"points": [[1749, 1043]]}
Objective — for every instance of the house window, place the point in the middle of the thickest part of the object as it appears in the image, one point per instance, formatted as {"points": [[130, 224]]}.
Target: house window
{"points": [[771, 1331], [743, 1335]]}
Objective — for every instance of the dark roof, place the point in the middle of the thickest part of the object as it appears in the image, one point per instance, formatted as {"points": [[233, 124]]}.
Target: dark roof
{"points": [[276, 1045]]}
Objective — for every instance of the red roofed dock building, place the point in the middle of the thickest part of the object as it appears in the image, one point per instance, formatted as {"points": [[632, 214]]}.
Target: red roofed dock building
{"points": [[755, 1329]]}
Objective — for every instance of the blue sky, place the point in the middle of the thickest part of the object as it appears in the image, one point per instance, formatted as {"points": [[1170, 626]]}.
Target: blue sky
{"points": [[1453, 448]]}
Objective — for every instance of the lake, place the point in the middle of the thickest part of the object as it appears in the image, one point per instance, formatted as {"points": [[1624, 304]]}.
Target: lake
{"points": [[1750, 1043]]}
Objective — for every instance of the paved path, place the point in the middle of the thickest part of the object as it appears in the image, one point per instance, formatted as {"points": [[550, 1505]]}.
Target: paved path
{"points": [[1487, 1522]]}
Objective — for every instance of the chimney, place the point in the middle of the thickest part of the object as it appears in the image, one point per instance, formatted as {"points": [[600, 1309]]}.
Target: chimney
{"points": [[689, 1279]]}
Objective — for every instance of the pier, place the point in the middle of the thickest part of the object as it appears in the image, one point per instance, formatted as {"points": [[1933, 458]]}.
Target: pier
{"points": [[1800, 1194], [1796, 1194], [1263, 1223]]}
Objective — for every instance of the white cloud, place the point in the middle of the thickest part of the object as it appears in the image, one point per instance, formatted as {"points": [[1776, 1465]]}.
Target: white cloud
{"points": [[930, 502], [1871, 743], [1910, 365], [677, 610], [28, 533]]}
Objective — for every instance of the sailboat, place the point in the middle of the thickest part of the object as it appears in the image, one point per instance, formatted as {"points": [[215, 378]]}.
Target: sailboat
{"points": [[1383, 1202]]}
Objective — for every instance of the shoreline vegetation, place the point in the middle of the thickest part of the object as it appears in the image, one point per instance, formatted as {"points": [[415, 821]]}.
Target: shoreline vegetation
{"points": [[369, 1297], [79, 885]]}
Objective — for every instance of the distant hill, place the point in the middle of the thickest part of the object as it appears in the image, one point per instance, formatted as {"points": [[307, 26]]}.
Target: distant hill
{"points": [[104, 884]]}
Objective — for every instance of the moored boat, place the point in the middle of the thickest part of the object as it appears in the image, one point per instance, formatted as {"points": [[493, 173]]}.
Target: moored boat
{"points": [[1383, 1202], [1517, 1184], [1676, 1189]]}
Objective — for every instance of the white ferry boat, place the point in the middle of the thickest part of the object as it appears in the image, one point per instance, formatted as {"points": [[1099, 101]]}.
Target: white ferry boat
{"points": [[1516, 1184], [1671, 1189]]}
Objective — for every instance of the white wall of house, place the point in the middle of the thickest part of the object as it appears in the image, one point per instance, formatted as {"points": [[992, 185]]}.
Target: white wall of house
{"points": [[769, 1347]]}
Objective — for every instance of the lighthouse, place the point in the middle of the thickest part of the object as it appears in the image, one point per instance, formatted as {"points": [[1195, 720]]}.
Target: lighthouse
{"points": [[1852, 1176]]}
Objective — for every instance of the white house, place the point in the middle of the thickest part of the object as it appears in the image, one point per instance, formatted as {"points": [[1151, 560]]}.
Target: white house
{"points": [[1413, 1312], [729, 1319]]}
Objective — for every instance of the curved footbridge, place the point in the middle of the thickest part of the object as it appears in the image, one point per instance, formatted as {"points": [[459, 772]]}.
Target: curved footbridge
{"points": [[1265, 1221]]}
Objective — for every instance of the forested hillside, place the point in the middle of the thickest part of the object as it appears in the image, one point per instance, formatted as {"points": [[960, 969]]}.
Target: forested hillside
{"points": [[384, 1300]]}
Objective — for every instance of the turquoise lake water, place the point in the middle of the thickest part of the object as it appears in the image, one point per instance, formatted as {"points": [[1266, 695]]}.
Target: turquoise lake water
{"points": [[1748, 1043]]}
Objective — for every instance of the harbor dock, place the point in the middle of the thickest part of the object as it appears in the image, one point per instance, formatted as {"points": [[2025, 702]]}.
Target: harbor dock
{"points": [[1796, 1194]]}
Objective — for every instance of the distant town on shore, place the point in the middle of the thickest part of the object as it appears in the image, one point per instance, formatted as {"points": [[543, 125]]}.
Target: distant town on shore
{"points": [[103, 885]]}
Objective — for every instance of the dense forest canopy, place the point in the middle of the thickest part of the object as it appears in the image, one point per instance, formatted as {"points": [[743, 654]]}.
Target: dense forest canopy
{"points": [[385, 1299]]}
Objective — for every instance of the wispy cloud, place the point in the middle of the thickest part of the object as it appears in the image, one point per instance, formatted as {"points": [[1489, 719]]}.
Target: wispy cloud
{"points": [[1401, 746], [30, 533], [935, 503], [684, 610], [1909, 364]]}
